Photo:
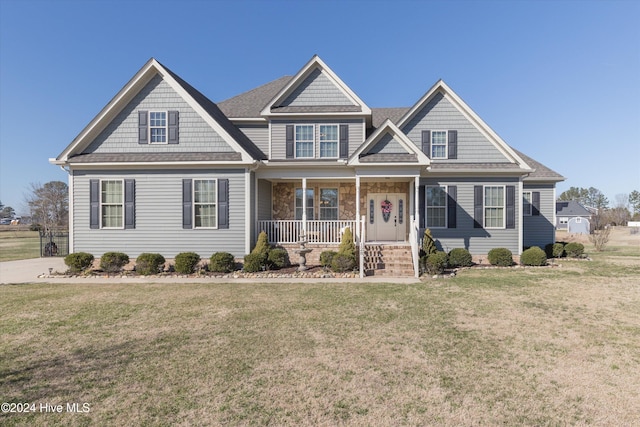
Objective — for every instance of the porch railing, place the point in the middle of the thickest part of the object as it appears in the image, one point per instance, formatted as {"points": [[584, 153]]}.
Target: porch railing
{"points": [[289, 231], [413, 239]]}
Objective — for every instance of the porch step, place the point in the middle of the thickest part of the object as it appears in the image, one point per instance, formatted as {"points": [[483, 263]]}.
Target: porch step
{"points": [[388, 260]]}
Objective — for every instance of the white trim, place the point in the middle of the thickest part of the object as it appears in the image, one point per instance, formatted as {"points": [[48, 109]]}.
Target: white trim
{"points": [[165, 127], [337, 126], [193, 203], [446, 207], [295, 141], [504, 206], [530, 213], [446, 145], [336, 208], [315, 63], [72, 208], [248, 219], [520, 218], [100, 213]]}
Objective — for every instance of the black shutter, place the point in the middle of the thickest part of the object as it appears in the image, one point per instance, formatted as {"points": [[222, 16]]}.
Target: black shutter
{"points": [[129, 203], [173, 127], [289, 137], [421, 206], [535, 203], [478, 209], [511, 206], [94, 204], [344, 141], [143, 127], [452, 197], [223, 203], [187, 205], [426, 142], [453, 144]]}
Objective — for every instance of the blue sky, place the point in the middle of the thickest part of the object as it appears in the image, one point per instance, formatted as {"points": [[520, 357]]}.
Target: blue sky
{"points": [[557, 80]]}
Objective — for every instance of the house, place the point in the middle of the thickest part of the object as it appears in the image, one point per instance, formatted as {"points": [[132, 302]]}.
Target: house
{"points": [[573, 217], [163, 169]]}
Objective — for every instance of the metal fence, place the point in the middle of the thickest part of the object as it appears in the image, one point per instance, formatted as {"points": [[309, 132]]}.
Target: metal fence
{"points": [[54, 243]]}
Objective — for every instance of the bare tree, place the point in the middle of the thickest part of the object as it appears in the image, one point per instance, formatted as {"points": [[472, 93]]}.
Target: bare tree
{"points": [[49, 204]]}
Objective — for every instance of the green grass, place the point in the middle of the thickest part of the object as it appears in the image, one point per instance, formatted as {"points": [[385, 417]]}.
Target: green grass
{"points": [[16, 245], [540, 346]]}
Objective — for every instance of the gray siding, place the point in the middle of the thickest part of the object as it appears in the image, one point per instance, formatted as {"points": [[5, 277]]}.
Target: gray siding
{"points": [[478, 241], [387, 145], [539, 230], [316, 90], [158, 207], [121, 135], [278, 135], [258, 134], [264, 199], [440, 114]]}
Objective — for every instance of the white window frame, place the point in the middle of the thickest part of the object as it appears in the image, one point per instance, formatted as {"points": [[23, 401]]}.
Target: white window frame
{"points": [[427, 207], [195, 203], [445, 145], [564, 220], [335, 208], [502, 207], [310, 197], [306, 141], [104, 204], [336, 141], [165, 127], [527, 203]]}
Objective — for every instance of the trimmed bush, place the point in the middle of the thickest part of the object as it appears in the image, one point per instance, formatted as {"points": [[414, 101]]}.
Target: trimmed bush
{"points": [[342, 262], [278, 258], [574, 249], [262, 246], [501, 257], [326, 257], [222, 262], [347, 245], [149, 263], [78, 261], [554, 250], [436, 262], [460, 257], [253, 262], [186, 262], [533, 256], [113, 262]]}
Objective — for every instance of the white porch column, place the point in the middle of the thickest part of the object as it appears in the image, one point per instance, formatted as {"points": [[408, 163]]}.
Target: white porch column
{"points": [[416, 198], [357, 230], [304, 206]]}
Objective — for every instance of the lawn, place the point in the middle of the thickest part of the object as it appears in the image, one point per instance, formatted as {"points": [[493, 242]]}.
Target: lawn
{"points": [[540, 346], [18, 244]]}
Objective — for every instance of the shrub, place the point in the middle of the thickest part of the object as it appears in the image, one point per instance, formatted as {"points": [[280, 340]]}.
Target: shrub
{"points": [[428, 244], [149, 263], [326, 257], [574, 249], [262, 247], [554, 250], [78, 261], [460, 257], [436, 262], [600, 238], [347, 246], [222, 262], [112, 262], [533, 256], [278, 258], [253, 262], [501, 257], [343, 262], [186, 262]]}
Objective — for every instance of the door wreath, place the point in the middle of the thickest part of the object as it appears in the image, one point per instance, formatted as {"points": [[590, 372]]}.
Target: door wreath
{"points": [[386, 207]]}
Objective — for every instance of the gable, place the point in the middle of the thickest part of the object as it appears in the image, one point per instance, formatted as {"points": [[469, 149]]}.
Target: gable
{"points": [[387, 145], [439, 113], [316, 90], [121, 134]]}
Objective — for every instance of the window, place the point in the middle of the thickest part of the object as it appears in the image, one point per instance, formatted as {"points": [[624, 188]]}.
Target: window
{"points": [[438, 144], [299, 203], [564, 220], [112, 203], [329, 141], [494, 202], [205, 203], [158, 127], [526, 203], [436, 209], [328, 203], [304, 141]]}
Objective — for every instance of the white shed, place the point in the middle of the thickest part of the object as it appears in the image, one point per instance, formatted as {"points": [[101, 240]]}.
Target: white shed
{"points": [[578, 225]]}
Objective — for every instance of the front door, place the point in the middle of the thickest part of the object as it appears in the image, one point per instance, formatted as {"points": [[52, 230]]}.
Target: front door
{"points": [[387, 217]]}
